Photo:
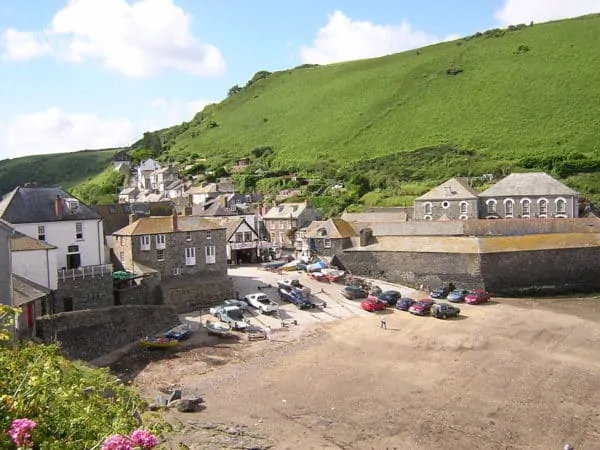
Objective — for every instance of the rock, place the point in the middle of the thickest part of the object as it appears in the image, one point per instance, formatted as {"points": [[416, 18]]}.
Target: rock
{"points": [[109, 393], [189, 404], [155, 407], [176, 395]]}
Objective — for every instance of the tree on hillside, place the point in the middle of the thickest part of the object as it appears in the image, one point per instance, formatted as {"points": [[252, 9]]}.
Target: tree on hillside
{"points": [[234, 90]]}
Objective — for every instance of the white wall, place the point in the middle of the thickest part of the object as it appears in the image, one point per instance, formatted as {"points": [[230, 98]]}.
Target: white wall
{"points": [[244, 228], [39, 266], [62, 234]]}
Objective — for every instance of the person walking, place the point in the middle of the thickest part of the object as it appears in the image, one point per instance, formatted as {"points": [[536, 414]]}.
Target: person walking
{"points": [[268, 332], [383, 322]]}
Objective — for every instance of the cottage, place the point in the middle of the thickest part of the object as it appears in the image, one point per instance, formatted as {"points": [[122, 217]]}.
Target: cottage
{"points": [[452, 200], [144, 170], [243, 244], [326, 238], [284, 220], [529, 195], [129, 194]]}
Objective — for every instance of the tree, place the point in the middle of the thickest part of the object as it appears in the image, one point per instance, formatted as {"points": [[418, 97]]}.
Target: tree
{"points": [[234, 90]]}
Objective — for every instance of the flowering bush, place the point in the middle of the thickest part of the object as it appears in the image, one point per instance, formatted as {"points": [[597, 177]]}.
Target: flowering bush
{"points": [[20, 432], [139, 439]]}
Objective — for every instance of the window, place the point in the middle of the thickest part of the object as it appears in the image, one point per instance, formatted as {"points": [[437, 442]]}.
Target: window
{"points": [[111, 209], [126, 209], [464, 207], [160, 255], [41, 233], [445, 205], [247, 236], [210, 252], [281, 225], [427, 218], [73, 204], [543, 206], [239, 237], [79, 231], [463, 217], [327, 243], [176, 271], [509, 206], [145, 242], [160, 242], [121, 256], [491, 206], [121, 241], [428, 208], [190, 256], [208, 235], [188, 236], [73, 249], [561, 206], [272, 225], [525, 207]]}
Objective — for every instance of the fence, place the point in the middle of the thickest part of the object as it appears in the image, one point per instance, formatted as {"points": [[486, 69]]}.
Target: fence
{"points": [[85, 272]]}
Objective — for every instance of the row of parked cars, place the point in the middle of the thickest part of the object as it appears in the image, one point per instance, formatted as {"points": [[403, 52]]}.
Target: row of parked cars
{"points": [[376, 300]]}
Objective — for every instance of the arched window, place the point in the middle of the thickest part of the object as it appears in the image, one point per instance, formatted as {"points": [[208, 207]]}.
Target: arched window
{"points": [[525, 207], [428, 208], [427, 217], [491, 206], [464, 207], [543, 207], [509, 208], [561, 206], [463, 217]]}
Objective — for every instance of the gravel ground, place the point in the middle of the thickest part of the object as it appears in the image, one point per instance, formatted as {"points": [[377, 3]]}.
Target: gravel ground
{"points": [[513, 374]]}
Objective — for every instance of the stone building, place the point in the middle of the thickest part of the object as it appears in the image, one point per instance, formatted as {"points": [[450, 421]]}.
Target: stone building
{"points": [[451, 200], [527, 196], [326, 238], [188, 252], [280, 219]]}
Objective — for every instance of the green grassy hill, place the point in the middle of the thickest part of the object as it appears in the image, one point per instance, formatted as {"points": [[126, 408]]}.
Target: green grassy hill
{"points": [[524, 98]]}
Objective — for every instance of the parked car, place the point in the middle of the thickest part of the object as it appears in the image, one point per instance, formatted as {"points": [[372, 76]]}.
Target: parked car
{"points": [[444, 310], [422, 307], [261, 302], [352, 292], [441, 292], [389, 297], [239, 303], [373, 305], [292, 283], [457, 295], [375, 291], [478, 296], [405, 303], [234, 316]]}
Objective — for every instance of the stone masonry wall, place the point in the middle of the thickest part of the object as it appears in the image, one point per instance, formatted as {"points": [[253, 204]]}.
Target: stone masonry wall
{"points": [[87, 335], [414, 269], [189, 294], [148, 292], [557, 271], [87, 293]]}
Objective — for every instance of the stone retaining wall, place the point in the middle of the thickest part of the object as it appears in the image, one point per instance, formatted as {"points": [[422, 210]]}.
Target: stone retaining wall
{"points": [[192, 294]]}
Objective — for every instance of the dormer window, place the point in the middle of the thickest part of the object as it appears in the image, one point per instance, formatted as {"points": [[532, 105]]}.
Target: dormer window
{"points": [[321, 232], [72, 204]]}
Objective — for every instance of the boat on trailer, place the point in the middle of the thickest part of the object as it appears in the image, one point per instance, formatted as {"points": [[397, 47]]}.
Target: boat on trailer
{"points": [[160, 342]]}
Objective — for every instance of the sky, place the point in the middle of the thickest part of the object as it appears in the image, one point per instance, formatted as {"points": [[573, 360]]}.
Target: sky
{"points": [[86, 74]]}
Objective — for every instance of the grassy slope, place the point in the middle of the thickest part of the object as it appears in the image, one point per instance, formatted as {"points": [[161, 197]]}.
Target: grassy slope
{"points": [[503, 105], [66, 169]]}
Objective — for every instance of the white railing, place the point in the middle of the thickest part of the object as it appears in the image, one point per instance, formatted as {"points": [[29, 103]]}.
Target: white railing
{"points": [[85, 272]]}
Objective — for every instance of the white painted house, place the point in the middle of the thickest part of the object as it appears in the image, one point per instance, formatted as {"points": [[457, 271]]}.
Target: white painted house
{"points": [[34, 260], [243, 244], [52, 215]]}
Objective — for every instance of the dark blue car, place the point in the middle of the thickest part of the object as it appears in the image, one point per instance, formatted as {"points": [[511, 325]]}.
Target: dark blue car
{"points": [[390, 297], [404, 303]]}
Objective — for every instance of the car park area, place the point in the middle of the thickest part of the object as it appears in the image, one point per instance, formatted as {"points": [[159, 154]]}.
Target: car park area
{"points": [[507, 373]]}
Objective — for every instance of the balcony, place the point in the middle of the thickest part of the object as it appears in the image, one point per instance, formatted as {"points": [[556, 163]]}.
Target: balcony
{"points": [[85, 272], [243, 245]]}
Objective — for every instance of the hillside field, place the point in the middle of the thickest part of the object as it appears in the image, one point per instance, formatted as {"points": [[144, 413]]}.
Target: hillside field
{"points": [[522, 98]]}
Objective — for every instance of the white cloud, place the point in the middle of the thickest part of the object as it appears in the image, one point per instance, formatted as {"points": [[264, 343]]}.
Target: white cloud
{"points": [[524, 11], [175, 111], [137, 40], [345, 39], [54, 131]]}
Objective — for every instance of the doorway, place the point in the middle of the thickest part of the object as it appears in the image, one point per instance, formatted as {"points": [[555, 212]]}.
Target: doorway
{"points": [[73, 260]]}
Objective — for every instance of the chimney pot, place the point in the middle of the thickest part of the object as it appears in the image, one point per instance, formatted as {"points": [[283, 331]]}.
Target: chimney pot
{"points": [[58, 207]]}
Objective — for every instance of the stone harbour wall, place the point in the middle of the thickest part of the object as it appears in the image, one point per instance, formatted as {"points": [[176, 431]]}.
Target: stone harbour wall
{"points": [[86, 293], [90, 334], [191, 294]]}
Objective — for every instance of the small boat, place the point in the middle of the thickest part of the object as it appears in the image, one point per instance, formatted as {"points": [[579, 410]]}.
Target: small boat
{"points": [[180, 332], [159, 342], [332, 274], [218, 328]]}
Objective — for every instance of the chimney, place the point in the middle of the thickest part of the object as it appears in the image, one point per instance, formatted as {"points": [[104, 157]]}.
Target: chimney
{"points": [[133, 218], [174, 218], [58, 206]]}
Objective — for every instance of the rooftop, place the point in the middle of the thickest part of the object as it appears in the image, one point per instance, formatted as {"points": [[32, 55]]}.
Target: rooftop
{"points": [[334, 229], [535, 184], [164, 225], [286, 211], [22, 243], [453, 189]]}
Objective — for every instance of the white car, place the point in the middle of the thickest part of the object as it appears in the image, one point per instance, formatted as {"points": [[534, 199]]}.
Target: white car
{"points": [[238, 303], [234, 316], [261, 302]]}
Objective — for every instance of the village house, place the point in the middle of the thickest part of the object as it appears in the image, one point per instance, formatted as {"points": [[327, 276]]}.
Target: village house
{"points": [[172, 245], [144, 171], [122, 158], [326, 238], [162, 179], [128, 194], [53, 216], [243, 244], [451, 200], [529, 195], [114, 216], [240, 165], [288, 193], [284, 220]]}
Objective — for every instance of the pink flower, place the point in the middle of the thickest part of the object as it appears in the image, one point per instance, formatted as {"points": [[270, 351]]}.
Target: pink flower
{"points": [[20, 432], [117, 442], [144, 439]]}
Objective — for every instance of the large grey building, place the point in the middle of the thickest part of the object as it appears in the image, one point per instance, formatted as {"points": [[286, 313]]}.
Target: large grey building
{"points": [[451, 200]]}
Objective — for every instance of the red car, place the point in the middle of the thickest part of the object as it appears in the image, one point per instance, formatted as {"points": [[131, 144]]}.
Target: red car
{"points": [[477, 297], [422, 307], [372, 305]]}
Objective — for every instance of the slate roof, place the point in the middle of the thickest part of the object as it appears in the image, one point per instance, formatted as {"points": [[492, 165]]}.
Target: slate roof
{"points": [[21, 242], [35, 204], [528, 184], [164, 225], [453, 189], [232, 224], [335, 229], [25, 291], [285, 211], [375, 217]]}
